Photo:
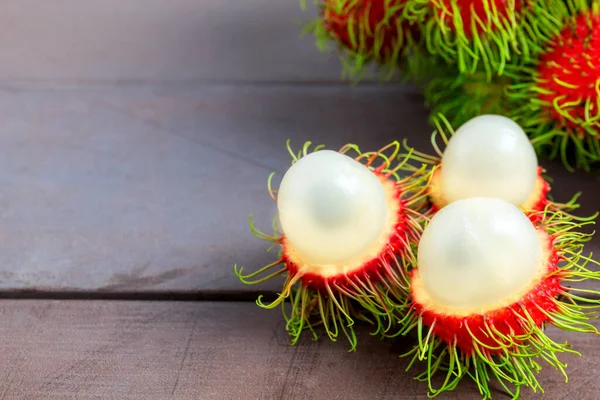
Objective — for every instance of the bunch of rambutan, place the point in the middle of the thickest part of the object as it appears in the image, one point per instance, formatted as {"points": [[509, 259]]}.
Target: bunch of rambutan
{"points": [[534, 61], [463, 249]]}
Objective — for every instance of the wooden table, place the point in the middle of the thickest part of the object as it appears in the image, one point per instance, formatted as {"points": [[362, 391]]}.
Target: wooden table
{"points": [[136, 138]]}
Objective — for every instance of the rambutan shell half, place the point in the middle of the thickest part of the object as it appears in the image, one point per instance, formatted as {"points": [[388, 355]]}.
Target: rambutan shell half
{"points": [[394, 240], [495, 326]]}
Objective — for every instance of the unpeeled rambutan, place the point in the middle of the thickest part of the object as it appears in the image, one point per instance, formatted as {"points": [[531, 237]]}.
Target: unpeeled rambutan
{"points": [[486, 34], [346, 227], [367, 32], [461, 97], [557, 98], [487, 283]]}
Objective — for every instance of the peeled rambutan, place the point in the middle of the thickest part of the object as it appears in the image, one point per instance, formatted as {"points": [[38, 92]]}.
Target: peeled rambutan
{"points": [[486, 284], [366, 32], [488, 156], [486, 34], [559, 92], [346, 228]]}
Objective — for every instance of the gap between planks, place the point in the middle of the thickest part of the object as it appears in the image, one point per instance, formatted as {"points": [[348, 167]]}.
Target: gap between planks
{"points": [[209, 296], [205, 295]]}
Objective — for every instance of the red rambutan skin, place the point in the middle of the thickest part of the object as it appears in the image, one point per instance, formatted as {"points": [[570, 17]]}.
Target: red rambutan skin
{"points": [[569, 72], [473, 10], [365, 16], [460, 331], [396, 244]]}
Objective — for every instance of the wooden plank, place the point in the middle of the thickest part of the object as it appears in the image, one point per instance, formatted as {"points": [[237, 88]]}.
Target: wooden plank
{"points": [[139, 350], [145, 188], [149, 189], [159, 40]]}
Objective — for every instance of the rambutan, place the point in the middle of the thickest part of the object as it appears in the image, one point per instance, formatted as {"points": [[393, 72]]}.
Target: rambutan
{"points": [[486, 34], [367, 32], [487, 283], [461, 97], [346, 228], [559, 92], [487, 156]]}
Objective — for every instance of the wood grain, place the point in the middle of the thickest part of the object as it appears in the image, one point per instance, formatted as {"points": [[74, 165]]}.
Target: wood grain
{"points": [[123, 41], [144, 188], [221, 351], [149, 188]]}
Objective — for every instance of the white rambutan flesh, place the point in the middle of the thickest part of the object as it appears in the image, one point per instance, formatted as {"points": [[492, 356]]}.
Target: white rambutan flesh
{"points": [[489, 156], [478, 252], [332, 209]]}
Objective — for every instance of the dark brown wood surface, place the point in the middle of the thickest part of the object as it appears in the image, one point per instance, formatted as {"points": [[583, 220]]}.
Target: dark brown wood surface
{"points": [[150, 189], [136, 137], [128, 41], [221, 351], [117, 189]]}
